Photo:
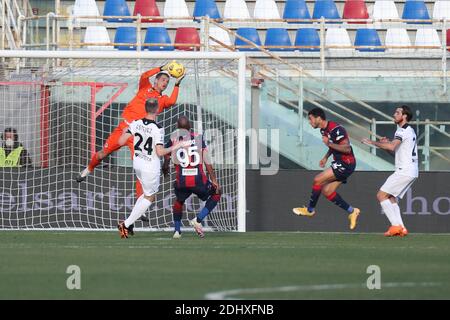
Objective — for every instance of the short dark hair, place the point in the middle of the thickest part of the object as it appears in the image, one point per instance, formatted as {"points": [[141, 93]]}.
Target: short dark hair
{"points": [[10, 130], [183, 123], [151, 105], [159, 75], [407, 111], [317, 112]]}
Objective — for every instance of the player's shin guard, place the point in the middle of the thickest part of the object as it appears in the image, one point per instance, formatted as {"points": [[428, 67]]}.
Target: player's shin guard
{"points": [[337, 200], [177, 214], [209, 206], [94, 162], [315, 194]]}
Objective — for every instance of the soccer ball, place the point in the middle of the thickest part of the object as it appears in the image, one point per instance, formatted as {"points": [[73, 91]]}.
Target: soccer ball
{"points": [[175, 69]]}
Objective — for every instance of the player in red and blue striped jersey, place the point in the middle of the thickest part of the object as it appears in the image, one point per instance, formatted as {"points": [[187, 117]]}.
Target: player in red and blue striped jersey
{"points": [[191, 177], [335, 137]]}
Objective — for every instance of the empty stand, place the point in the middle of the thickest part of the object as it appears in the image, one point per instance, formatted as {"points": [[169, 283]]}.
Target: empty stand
{"points": [[176, 8], [220, 35], [326, 9], [338, 37], [97, 34], [125, 35], [236, 9], [266, 9], [250, 34], [296, 9], [427, 37], [415, 10], [187, 35], [158, 35], [368, 37], [441, 10], [278, 37], [397, 37], [355, 9], [307, 37], [147, 8], [116, 8], [205, 8], [385, 9]]}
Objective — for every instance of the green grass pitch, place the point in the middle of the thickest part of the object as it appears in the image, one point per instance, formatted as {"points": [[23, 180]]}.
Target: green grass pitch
{"points": [[253, 265]]}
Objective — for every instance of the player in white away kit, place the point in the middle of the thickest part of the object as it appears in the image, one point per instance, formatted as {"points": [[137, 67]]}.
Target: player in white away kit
{"points": [[404, 145], [148, 148]]}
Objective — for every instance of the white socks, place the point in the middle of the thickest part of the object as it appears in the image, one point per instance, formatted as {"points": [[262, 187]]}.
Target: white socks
{"points": [[398, 215], [392, 212], [139, 209]]}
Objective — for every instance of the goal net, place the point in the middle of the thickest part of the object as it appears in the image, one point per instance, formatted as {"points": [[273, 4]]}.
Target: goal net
{"points": [[62, 106]]}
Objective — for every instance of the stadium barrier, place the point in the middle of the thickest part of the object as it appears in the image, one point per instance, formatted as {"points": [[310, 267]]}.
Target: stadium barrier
{"points": [[270, 199]]}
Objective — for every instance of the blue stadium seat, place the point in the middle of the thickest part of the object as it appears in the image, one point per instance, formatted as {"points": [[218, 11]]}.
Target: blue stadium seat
{"points": [[307, 37], [278, 37], [415, 10], [296, 9], [368, 37], [158, 35], [326, 9], [125, 35], [116, 8], [205, 8], [249, 34]]}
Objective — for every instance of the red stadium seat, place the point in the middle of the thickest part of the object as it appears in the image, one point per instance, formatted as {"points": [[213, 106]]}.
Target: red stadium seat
{"points": [[448, 39], [147, 8], [187, 35], [355, 9]]}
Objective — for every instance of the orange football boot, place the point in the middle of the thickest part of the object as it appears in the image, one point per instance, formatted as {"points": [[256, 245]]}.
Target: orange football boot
{"points": [[404, 232], [393, 231]]}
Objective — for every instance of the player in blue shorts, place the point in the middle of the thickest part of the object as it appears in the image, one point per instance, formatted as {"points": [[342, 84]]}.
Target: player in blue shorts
{"points": [[191, 177], [335, 137]]}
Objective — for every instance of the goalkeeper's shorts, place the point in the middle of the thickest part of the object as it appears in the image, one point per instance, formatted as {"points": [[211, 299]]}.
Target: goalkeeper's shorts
{"points": [[112, 143]]}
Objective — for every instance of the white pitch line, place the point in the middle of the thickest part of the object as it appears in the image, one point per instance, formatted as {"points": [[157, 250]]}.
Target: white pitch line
{"points": [[229, 294]]}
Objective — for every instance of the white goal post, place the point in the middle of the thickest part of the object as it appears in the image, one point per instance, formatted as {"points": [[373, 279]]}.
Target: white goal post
{"points": [[64, 104]]}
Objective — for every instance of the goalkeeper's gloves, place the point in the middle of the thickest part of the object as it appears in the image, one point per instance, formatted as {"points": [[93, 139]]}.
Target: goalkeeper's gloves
{"points": [[177, 83], [164, 67]]}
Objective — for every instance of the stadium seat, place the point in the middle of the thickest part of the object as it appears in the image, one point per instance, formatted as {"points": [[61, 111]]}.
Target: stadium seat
{"points": [[427, 37], [176, 8], [125, 35], [157, 35], [338, 37], [97, 34], [205, 8], [236, 9], [278, 37], [326, 9], [384, 9], [368, 37], [441, 10], [296, 9], [266, 9], [397, 37], [250, 34], [187, 35], [147, 8], [355, 9], [415, 10], [307, 37], [85, 8], [448, 39], [220, 35], [116, 8]]}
